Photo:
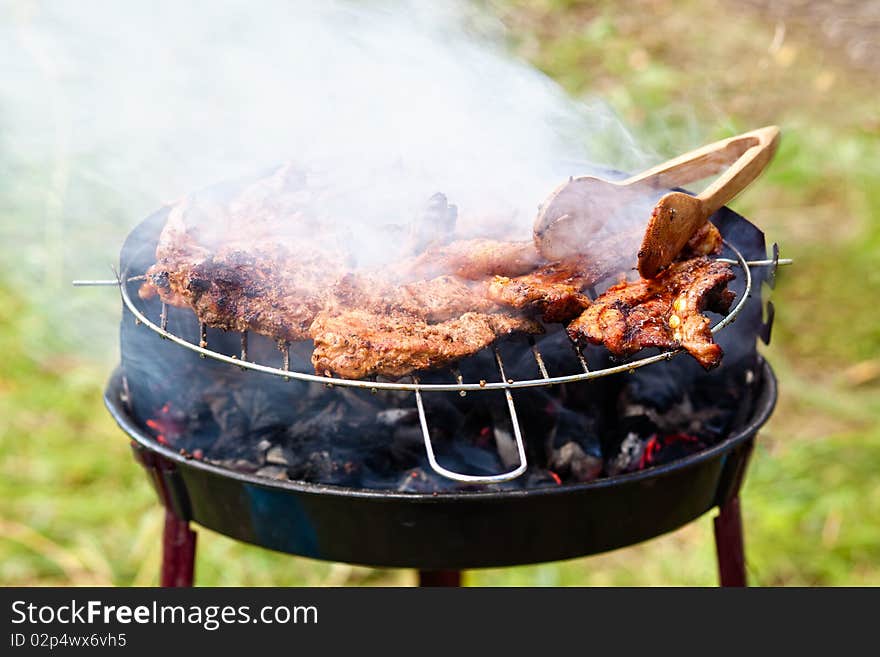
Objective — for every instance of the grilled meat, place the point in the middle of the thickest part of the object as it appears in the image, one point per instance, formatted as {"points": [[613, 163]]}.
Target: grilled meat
{"points": [[472, 259], [358, 343], [265, 276], [269, 289], [432, 300], [259, 263], [663, 312], [246, 265], [272, 287], [706, 241], [554, 291]]}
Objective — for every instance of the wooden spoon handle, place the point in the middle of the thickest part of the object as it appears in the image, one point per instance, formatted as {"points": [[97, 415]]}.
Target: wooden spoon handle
{"points": [[677, 216], [762, 145], [741, 158]]}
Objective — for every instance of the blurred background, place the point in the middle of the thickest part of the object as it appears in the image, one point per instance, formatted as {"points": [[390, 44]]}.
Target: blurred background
{"points": [[75, 508]]}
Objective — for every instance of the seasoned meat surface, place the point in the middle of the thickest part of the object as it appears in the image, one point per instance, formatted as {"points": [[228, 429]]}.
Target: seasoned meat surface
{"points": [[472, 259], [437, 299], [358, 343], [255, 263], [554, 291], [663, 312], [268, 288], [706, 241]]}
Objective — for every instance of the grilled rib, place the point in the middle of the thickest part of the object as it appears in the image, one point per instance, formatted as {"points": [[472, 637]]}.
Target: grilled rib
{"points": [[358, 343], [663, 312]]}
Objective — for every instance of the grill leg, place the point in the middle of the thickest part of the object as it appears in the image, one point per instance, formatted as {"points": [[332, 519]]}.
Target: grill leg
{"points": [[439, 578], [178, 552], [729, 544]]}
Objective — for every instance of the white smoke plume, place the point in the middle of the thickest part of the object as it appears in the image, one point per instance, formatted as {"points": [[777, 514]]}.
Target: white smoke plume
{"points": [[109, 109]]}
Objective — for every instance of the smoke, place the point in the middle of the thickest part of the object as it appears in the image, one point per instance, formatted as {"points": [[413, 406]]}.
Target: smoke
{"points": [[109, 109]]}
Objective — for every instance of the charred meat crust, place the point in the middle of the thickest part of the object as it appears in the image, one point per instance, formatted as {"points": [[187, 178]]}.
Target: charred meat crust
{"points": [[554, 291], [664, 312]]}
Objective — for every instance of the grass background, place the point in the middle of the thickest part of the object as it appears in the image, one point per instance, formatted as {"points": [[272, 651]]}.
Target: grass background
{"points": [[75, 509]]}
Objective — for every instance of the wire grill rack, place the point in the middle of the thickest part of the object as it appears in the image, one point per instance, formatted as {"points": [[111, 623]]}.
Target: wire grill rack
{"points": [[505, 384]]}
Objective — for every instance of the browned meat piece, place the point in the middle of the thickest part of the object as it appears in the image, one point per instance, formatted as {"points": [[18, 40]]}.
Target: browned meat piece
{"points": [[357, 343], [554, 291], [663, 312], [471, 259], [706, 241], [433, 300], [252, 264], [268, 289], [176, 252]]}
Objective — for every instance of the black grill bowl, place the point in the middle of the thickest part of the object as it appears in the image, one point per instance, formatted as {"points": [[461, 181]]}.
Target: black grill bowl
{"points": [[449, 530]]}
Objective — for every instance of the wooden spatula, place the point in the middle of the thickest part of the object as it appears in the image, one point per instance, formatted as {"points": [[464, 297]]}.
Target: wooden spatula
{"points": [[581, 207]]}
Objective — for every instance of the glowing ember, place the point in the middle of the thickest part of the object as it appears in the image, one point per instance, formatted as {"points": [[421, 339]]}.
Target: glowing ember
{"points": [[657, 443], [168, 425]]}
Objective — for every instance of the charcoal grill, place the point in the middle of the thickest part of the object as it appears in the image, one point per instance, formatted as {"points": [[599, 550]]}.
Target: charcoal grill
{"points": [[127, 281], [445, 532]]}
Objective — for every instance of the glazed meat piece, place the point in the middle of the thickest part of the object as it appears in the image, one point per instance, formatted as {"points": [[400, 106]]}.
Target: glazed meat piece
{"points": [[663, 312], [554, 291], [357, 343], [471, 259]]}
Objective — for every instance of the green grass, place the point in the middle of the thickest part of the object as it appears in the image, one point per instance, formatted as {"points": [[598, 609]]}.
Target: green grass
{"points": [[75, 509]]}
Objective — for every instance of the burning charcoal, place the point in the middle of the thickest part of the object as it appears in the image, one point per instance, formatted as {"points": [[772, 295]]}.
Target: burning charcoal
{"points": [[272, 472], [632, 448], [236, 464], [417, 481], [169, 425], [660, 449], [392, 416], [277, 456], [571, 461], [676, 417], [327, 468], [538, 477], [574, 450]]}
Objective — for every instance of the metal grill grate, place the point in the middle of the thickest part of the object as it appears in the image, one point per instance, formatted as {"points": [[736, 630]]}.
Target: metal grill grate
{"points": [[504, 384]]}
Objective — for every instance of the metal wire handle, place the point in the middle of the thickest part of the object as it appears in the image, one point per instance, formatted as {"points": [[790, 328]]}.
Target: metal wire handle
{"points": [[475, 479]]}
